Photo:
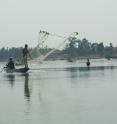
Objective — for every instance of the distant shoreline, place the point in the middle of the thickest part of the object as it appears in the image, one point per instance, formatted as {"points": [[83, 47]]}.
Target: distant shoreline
{"points": [[66, 57]]}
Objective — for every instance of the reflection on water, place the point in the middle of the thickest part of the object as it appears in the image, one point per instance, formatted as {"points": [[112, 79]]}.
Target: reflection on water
{"points": [[60, 95], [26, 87], [73, 69], [11, 79]]}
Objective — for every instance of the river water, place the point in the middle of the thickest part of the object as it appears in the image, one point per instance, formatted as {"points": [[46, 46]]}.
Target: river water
{"points": [[60, 92]]}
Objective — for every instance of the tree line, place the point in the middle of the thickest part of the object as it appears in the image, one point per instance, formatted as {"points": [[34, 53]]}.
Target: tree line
{"points": [[78, 48], [75, 48], [5, 53]]}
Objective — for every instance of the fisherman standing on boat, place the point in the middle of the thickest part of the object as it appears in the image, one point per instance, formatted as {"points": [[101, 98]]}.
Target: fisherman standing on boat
{"points": [[10, 64], [25, 53]]}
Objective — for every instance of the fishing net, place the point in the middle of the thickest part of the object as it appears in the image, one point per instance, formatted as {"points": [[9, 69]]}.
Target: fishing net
{"points": [[42, 37], [41, 49]]}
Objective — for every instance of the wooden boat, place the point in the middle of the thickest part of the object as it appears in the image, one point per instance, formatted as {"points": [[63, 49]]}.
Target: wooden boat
{"points": [[19, 70]]}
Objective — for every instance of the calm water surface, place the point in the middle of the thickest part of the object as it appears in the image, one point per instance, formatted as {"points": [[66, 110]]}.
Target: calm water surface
{"points": [[60, 93]]}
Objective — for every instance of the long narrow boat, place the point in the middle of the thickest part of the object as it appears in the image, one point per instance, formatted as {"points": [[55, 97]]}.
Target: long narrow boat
{"points": [[19, 70]]}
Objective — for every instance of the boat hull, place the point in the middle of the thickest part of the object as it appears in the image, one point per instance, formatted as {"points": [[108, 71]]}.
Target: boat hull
{"points": [[20, 70]]}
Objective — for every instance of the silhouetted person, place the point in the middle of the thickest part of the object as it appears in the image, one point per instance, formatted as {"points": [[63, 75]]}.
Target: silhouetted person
{"points": [[10, 64], [25, 53], [88, 62]]}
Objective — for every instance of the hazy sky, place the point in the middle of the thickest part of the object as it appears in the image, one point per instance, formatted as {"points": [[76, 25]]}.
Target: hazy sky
{"points": [[21, 20]]}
